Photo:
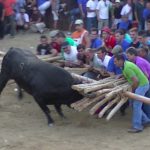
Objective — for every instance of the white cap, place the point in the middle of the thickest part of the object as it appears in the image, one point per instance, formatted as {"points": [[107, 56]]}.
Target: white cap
{"points": [[117, 1], [79, 21]]}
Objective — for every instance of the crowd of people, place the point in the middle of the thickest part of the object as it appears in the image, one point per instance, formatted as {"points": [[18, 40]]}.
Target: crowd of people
{"points": [[109, 38]]}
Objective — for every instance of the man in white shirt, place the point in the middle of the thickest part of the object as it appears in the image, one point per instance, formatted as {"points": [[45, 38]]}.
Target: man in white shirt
{"points": [[102, 11], [127, 10], [103, 57], [91, 14], [22, 20]]}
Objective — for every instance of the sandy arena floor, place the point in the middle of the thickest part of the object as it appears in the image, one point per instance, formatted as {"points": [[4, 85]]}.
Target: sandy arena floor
{"points": [[23, 125]]}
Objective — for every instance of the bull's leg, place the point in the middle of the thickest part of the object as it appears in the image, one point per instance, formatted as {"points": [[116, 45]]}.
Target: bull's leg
{"points": [[46, 110], [59, 110], [3, 81]]}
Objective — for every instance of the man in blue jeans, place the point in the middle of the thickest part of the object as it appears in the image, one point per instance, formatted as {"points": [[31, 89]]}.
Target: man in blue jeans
{"points": [[140, 86]]}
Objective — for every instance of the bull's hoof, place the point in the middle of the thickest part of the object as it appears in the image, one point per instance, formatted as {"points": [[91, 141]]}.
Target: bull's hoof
{"points": [[50, 124]]}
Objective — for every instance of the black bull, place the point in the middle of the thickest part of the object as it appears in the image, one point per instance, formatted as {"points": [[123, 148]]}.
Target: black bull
{"points": [[48, 84]]}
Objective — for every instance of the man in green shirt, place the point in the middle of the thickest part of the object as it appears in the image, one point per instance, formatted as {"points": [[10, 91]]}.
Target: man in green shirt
{"points": [[140, 86]]}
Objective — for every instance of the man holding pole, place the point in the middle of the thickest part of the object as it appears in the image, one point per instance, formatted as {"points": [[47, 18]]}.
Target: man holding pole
{"points": [[140, 86]]}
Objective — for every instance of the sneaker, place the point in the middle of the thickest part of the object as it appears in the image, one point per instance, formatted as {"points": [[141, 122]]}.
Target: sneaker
{"points": [[134, 130]]}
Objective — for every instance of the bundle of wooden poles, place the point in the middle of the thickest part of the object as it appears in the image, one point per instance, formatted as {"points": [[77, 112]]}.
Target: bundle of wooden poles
{"points": [[106, 96]]}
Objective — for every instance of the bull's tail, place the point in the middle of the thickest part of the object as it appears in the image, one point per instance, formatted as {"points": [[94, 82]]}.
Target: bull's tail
{"points": [[3, 81]]}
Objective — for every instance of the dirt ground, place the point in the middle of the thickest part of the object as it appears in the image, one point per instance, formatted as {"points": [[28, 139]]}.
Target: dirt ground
{"points": [[23, 126]]}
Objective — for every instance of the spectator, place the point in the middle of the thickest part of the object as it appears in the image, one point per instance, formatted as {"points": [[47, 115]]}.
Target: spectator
{"points": [[91, 14], [20, 4], [140, 86], [109, 40], [82, 7], [134, 35], [144, 53], [22, 20], [96, 42], [44, 47], [36, 23], [146, 13], [74, 11], [127, 10], [102, 11], [29, 6], [125, 23], [120, 39], [142, 38], [81, 36], [139, 8], [116, 14], [70, 54], [43, 5], [2, 13], [9, 17], [81, 54]]}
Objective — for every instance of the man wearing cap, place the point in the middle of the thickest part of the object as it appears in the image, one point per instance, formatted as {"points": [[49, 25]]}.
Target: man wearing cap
{"points": [[69, 54], [109, 40], [81, 36]]}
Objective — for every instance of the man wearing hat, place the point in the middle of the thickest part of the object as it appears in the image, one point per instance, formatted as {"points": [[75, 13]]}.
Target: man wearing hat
{"points": [[81, 36]]}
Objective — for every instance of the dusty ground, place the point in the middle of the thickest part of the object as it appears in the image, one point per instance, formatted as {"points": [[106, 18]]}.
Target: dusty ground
{"points": [[23, 125]]}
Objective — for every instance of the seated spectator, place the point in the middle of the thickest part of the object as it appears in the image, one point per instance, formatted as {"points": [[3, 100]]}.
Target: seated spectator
{"points": [[96, 42], [104, 58], [144, 53], [22, 20], [134, 34], [81, 36], [125, 23], [109, 40], [69, 54], [36, 23], [120, 39], [44, 47]]}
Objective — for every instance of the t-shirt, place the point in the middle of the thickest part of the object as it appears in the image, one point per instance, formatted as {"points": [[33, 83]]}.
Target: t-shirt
{"points": [[144, 65], [106, 60], [96, 43], [131, 70], [72, 4], [70, 41], [117, 11], [139, 8], [124, 44], [113, 68], [40, 2], [44, 49], [146, 13], [22, 18], [92, 6], [103, 8], [8, 5], [125, 10], [110, 42], [126, 25], [1, 9], [83, 3], [72, 56]]}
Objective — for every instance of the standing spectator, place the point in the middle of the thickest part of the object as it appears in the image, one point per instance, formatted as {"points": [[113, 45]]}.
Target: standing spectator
{"points": [[139, 8], [9, 16], [43, 5], [109, 40], [116, 13], [74, 11], [20, 4], [120, 39], [29, 6], [96, 42], [102, 10], [91, 14], [81, 36], [22, 20], [146, 13], [36, 22], [82, 7], [44, 47], [2, 12], [140, 86], [127, 10]]}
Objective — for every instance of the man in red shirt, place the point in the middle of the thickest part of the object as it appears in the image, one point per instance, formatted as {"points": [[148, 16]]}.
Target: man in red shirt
{"points": [[109, 40], [9, 16]]}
